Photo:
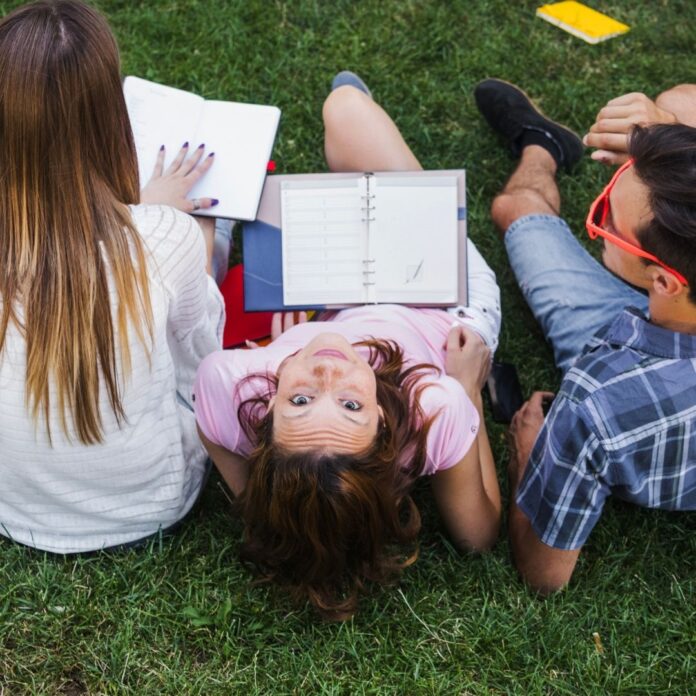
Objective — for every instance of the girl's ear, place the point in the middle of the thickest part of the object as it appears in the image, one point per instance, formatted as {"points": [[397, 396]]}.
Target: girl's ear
{"points": [[269, 405]]}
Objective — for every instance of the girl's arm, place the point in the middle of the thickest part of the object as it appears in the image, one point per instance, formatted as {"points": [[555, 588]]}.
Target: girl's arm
{"points": [[232, 467], [467, 494]]}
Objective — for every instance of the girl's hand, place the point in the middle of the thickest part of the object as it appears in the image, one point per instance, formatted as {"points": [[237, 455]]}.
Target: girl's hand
{"points": [[468, 359], [281, 322], [171, 186]]}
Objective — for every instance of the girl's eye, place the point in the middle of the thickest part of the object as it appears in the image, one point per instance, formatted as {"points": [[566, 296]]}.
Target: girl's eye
{"points": [[352, 405], [300, 400]]}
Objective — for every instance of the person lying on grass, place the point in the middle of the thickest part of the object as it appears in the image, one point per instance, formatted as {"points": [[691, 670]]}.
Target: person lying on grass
{"points": [[624, 418], [106, 309], [322, 433]]}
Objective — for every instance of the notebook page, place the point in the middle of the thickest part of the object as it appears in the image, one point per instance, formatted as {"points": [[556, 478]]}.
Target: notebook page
{"points": [[159, 115], [414, 239], [241, 136], [324, 241]]}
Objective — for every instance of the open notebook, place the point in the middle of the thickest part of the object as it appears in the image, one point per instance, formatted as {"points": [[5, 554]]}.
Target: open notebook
{"points": [[241, 135], [389, 237]]}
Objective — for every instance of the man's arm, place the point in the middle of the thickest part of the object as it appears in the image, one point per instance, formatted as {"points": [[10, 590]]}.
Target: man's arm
{"points": [[542, 567]]}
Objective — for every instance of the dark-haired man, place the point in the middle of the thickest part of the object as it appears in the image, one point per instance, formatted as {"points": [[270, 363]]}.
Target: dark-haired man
{"points": [[624, 420]]}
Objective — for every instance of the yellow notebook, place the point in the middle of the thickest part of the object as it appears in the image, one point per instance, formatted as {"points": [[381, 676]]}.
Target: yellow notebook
{"points": [[582, 21]]}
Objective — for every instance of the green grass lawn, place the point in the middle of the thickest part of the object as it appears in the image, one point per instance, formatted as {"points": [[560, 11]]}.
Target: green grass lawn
{"points": [[182, 616]]}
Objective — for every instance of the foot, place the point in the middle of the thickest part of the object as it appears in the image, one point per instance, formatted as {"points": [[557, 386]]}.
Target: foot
{"points": [[512, 114], [346, 77]]}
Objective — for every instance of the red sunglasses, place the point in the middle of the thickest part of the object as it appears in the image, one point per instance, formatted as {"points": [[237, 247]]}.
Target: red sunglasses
{"points": [[598, 215]]}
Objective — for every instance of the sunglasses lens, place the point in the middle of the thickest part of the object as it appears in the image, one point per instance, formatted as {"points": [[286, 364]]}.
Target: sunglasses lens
{"points": [[599, 213]]}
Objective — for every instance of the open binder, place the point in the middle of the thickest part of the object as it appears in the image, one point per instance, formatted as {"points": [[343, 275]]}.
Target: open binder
{"points": [[357, 238]]}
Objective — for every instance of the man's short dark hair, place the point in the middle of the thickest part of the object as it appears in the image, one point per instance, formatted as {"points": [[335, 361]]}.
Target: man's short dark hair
{"points": [[665, 161]]}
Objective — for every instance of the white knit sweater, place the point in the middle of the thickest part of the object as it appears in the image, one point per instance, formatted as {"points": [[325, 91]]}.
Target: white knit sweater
{"points": [[67, 497]]}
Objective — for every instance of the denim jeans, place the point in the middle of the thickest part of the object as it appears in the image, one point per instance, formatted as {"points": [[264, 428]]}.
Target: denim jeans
{"points": [[571, 295]]}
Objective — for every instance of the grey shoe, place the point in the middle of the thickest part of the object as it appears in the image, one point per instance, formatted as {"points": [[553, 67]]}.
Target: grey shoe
{"points": [[346, 77]]}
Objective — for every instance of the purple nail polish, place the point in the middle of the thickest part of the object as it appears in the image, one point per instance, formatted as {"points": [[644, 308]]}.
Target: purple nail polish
{"points": [[201, 146], [161, 148], [185, 144], [213, 202], [212, 154]]}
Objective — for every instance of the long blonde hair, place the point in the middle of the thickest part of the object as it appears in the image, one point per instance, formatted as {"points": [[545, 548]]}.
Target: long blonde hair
{"points": [[67, 173]]}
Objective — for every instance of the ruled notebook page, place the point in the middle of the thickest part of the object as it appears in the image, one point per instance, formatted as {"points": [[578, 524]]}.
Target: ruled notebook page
{"points": [[414, 239], [324, 242]]}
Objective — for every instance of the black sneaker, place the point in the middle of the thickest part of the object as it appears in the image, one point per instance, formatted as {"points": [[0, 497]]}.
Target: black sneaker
{"points": [[510, 112]]}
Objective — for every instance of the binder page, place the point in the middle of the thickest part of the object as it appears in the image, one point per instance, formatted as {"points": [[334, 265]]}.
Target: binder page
{"points": [[324, 241], [159, 115], [414, 239], [241, 136]]}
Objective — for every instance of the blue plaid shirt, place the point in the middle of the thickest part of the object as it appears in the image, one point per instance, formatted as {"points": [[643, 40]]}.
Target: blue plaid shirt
{"points": [[623, 423]]}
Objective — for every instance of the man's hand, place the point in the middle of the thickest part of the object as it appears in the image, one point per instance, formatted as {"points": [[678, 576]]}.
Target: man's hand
{"points": [[524, 429], [171, 186], [468, 359], [609, 133]]}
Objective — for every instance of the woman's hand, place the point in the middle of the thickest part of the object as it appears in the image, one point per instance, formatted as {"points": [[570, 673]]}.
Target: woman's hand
{"points": [[171, 186], [468, 359]]}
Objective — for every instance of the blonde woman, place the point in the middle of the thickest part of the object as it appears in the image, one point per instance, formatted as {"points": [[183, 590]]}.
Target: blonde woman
{"points": [[105, 305]]}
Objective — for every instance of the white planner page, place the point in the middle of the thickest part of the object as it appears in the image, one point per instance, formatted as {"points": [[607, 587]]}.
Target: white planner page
{"points": [[324, 242], [414, 239], [159, 115], [240, 135]]}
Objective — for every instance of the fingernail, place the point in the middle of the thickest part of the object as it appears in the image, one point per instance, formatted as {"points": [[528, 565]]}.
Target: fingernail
{"points": [[213, 202], [161, 148], [185, 144], [202, 145], [212, 154]]}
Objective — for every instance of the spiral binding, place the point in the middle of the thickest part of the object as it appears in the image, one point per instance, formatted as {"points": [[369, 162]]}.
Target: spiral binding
{"points": [[368, 271]]}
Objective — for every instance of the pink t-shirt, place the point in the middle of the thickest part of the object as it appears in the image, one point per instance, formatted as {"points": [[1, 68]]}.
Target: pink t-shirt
{"points": [[421, 333]]}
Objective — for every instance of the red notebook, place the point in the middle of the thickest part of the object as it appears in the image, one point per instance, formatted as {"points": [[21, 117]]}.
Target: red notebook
{"points": [[241, 326]]}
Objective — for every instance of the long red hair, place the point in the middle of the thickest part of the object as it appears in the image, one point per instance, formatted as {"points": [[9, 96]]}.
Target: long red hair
{"points": [[323, 525]]}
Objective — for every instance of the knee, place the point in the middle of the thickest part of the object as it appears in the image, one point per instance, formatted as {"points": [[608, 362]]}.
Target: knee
{"points": [[343, 105], [505, 210], [508, 207], [680, 101]]}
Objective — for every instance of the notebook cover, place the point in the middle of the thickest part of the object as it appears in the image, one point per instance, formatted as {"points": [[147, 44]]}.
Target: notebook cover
{"points": [[241, 326], [582, 21]]}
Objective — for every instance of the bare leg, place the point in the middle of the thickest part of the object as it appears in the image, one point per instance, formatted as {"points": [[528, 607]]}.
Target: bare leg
{"points": [[530, 190], [681, 101], [360, 135]]}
